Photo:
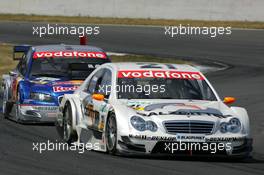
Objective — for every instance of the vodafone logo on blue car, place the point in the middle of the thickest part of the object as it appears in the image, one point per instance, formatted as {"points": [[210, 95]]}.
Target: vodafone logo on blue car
{"points": [[69, 54]]}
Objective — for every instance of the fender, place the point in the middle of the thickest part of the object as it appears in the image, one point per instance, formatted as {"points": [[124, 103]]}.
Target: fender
{"points": [[109, 110], [242, 114], [76, 108], [24, 89], [78, 111], [74, 112], [122, 115]]}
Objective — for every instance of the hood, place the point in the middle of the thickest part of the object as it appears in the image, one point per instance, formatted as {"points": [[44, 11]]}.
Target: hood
{"points": [[197, 108], [179, 116]]}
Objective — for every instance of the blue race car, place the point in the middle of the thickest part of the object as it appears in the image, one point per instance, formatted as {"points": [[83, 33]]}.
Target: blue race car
{"points": [[33, 90]]}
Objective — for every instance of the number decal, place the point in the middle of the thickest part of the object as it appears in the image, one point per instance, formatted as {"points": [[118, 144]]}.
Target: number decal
{"points": [[170, 66], [155, 66], [149, 65]]}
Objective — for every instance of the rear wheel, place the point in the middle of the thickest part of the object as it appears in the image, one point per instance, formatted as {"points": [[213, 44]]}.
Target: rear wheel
{"points": [[6, 106], [111, 134], [69, 135]]}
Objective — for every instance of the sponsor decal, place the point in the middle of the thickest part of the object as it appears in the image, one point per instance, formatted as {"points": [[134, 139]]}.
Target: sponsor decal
{"points": [[46, 108], [73, 82], [40, 82], [137, 103], [187, 106], [39, 108], [139, 108], [103, 108], [93, 118], [64, 89], [44, 80], [69, 54], [47, 79], [157, 138], [190, 138], [225, 139], [160, 74], [15, 86]]}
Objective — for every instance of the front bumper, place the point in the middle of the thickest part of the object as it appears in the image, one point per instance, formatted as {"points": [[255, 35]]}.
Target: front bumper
{"points": [[37, 113], [238, 149]]}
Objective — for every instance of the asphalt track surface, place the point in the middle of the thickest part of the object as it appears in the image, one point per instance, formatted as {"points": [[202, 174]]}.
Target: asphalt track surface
{"points": [[242, 51]]}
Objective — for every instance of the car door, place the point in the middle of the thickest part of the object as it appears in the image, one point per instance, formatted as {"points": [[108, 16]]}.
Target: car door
{"points": [[94, 108]]}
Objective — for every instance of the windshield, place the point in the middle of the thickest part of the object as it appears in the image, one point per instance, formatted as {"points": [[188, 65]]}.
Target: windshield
{"points": [[164, 88], [71, 68]]}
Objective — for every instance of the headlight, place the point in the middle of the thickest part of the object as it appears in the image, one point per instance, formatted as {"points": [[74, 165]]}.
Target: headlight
{"points": [[41, 97], [223, 127], [150, 125], [141, 125], [138, 123], [233, 126]]}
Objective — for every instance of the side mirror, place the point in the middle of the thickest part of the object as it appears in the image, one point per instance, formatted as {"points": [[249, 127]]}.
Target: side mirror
{"points": [[20, 51], [12, 73], [229, 100], [99, 97]]}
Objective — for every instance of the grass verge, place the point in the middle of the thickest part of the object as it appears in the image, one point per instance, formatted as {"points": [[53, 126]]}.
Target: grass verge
{"points": [[129, 21], [7, 63]]}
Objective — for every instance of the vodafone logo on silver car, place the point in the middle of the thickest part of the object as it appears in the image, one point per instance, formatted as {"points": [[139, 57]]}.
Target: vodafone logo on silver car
{"points": [[159, 74], [64, 89], [69, 54]]}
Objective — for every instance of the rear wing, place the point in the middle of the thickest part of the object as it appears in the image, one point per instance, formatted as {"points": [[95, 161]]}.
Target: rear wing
{"points": [[20, 51]]}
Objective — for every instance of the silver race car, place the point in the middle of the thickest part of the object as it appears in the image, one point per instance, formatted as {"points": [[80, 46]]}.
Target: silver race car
{"points": [[153, 108]]}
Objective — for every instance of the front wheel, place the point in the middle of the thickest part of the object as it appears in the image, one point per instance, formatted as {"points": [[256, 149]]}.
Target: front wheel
{"points": [[111, 134], [69, 135]]}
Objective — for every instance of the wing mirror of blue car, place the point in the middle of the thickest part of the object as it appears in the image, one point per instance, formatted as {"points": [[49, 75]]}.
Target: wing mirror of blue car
{"points": [[229, 100], [99, 97], [12, 73]]}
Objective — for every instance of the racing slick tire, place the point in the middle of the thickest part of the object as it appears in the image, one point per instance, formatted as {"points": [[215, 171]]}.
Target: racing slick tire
{"points": [[6, 106], [69, 135], [111, 134]]}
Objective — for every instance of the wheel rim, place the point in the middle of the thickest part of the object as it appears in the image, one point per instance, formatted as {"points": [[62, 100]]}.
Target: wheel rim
{"points": [[4, 107], [111, 133], [4, 101], [66, 126], [17, 105]]}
